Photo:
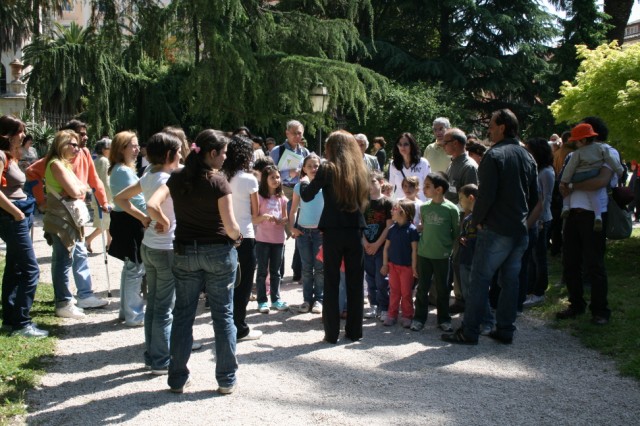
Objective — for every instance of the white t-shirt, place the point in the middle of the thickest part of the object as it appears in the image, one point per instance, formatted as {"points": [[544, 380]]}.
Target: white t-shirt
{"points": [[243, 184], [150, 182], [421, 170]]}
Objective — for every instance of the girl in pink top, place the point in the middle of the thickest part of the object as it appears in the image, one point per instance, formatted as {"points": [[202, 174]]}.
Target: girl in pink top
{"points": [[270, 236]]}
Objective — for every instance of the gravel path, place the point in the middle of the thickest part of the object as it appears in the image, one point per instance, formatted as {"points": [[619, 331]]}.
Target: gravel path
{"points": [[392, 376]]}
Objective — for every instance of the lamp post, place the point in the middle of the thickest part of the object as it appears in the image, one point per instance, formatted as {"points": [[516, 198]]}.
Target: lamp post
{"points": [[319, 97]]}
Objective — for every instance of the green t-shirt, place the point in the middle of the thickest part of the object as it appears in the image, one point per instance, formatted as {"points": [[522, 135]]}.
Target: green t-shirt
{"points": [[52, 183], [441, 226]]}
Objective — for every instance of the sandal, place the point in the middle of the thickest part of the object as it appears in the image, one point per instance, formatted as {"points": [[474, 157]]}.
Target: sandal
{"points": [[458, 337]]}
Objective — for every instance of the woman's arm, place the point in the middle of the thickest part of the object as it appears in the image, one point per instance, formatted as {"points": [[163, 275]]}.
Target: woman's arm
{"points": [[292, 218], [154, 209], [70, 184], [225, 207], [122, 200], [308, 190]]}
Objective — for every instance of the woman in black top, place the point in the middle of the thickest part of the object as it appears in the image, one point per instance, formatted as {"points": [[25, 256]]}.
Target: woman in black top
{"points": [[204, 256], [344, 180]]}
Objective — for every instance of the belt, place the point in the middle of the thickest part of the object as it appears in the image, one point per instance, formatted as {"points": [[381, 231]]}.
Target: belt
{"points": [[180, 247]]}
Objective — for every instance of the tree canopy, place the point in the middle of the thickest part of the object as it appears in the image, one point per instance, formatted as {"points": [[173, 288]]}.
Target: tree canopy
{"points": [[607, 85]]}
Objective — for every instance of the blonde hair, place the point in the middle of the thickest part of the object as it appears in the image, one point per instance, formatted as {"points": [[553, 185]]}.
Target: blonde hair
{"points": [[350, 175], [60, 140], [118, 145]]}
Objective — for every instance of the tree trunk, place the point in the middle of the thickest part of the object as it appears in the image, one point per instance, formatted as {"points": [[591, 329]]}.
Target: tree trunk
{"points": [[619, 10]]}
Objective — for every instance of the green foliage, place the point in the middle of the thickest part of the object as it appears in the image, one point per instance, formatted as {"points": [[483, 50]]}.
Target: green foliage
{"points": [[23, 359], [15, 24], [495, 52], [607, 85], [411, 108]]}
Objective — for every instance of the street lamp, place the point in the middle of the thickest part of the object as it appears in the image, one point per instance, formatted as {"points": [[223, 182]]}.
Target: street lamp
{"points": [[319, 97]]}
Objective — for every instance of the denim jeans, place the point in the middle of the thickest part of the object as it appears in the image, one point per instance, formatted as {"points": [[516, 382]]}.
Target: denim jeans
{"points": [[538, 266], [523, 277], [308, 245], [131, 302], [377, 284], [161, 296], [21, 271], [465, 282], [244, 283], [494, 253], [212, 266], [61, 262], [269, 259]]}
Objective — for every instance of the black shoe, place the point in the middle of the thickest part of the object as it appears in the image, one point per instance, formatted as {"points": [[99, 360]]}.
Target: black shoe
{"points": [[297, 278], [328, 340], [569, 313], [456, 308], [502, 339], [353, 339], [598, 320], [458, 338]]}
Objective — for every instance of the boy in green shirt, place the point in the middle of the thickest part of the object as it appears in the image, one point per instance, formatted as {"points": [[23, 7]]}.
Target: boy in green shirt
{"points": [[441, 226]]}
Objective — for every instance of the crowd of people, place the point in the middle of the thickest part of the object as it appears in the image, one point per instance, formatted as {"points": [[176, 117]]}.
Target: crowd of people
{"points": [[209, 215]]}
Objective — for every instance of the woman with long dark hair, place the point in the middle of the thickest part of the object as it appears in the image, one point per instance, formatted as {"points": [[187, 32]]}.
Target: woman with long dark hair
{"points": [[344, 181], [244, 189], [204, 255], [407, 162], [538, 270], [21, 270]]}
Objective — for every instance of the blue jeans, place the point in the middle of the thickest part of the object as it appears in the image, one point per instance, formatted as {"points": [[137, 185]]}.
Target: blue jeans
{"points": [[538, 266], [465, 282], [377, 284], [131, 302], [21, 271], [212, 266], [61, 262], [494, 253], [161, 296], [308, 244], [269, 258]]}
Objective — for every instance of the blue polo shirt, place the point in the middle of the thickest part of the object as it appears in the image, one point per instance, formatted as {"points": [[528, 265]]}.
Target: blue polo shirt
{"points": [[401, 238]]}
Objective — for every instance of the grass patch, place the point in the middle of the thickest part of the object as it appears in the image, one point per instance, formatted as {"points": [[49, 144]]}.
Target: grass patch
{"points": [[620, 339], [23, 360]]}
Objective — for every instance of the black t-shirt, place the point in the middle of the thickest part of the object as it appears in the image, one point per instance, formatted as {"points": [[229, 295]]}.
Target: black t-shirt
{"points": [[197, 215], [376, 215]]}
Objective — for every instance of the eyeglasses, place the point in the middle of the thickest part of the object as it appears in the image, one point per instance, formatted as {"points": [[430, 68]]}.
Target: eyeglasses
{"points": [[74, 145], [134, 146]]}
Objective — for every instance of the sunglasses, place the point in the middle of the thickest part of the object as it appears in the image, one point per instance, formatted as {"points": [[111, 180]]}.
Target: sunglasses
{"points": [[74, 145]]}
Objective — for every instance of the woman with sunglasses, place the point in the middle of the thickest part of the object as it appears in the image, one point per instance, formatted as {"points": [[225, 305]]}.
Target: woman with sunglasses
{"points": [[60, 229], [407, 162]]}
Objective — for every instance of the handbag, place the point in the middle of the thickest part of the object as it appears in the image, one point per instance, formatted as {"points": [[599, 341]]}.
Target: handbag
{"points": [[77, 209], [619, 224]]}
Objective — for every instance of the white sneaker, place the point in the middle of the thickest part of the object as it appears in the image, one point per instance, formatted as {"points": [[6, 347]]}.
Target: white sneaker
{"points": [[253, 335], [70, 311], [91, 302], [227, 390], [383, 316], [372, 312], [317, 308], [446, 327]]}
